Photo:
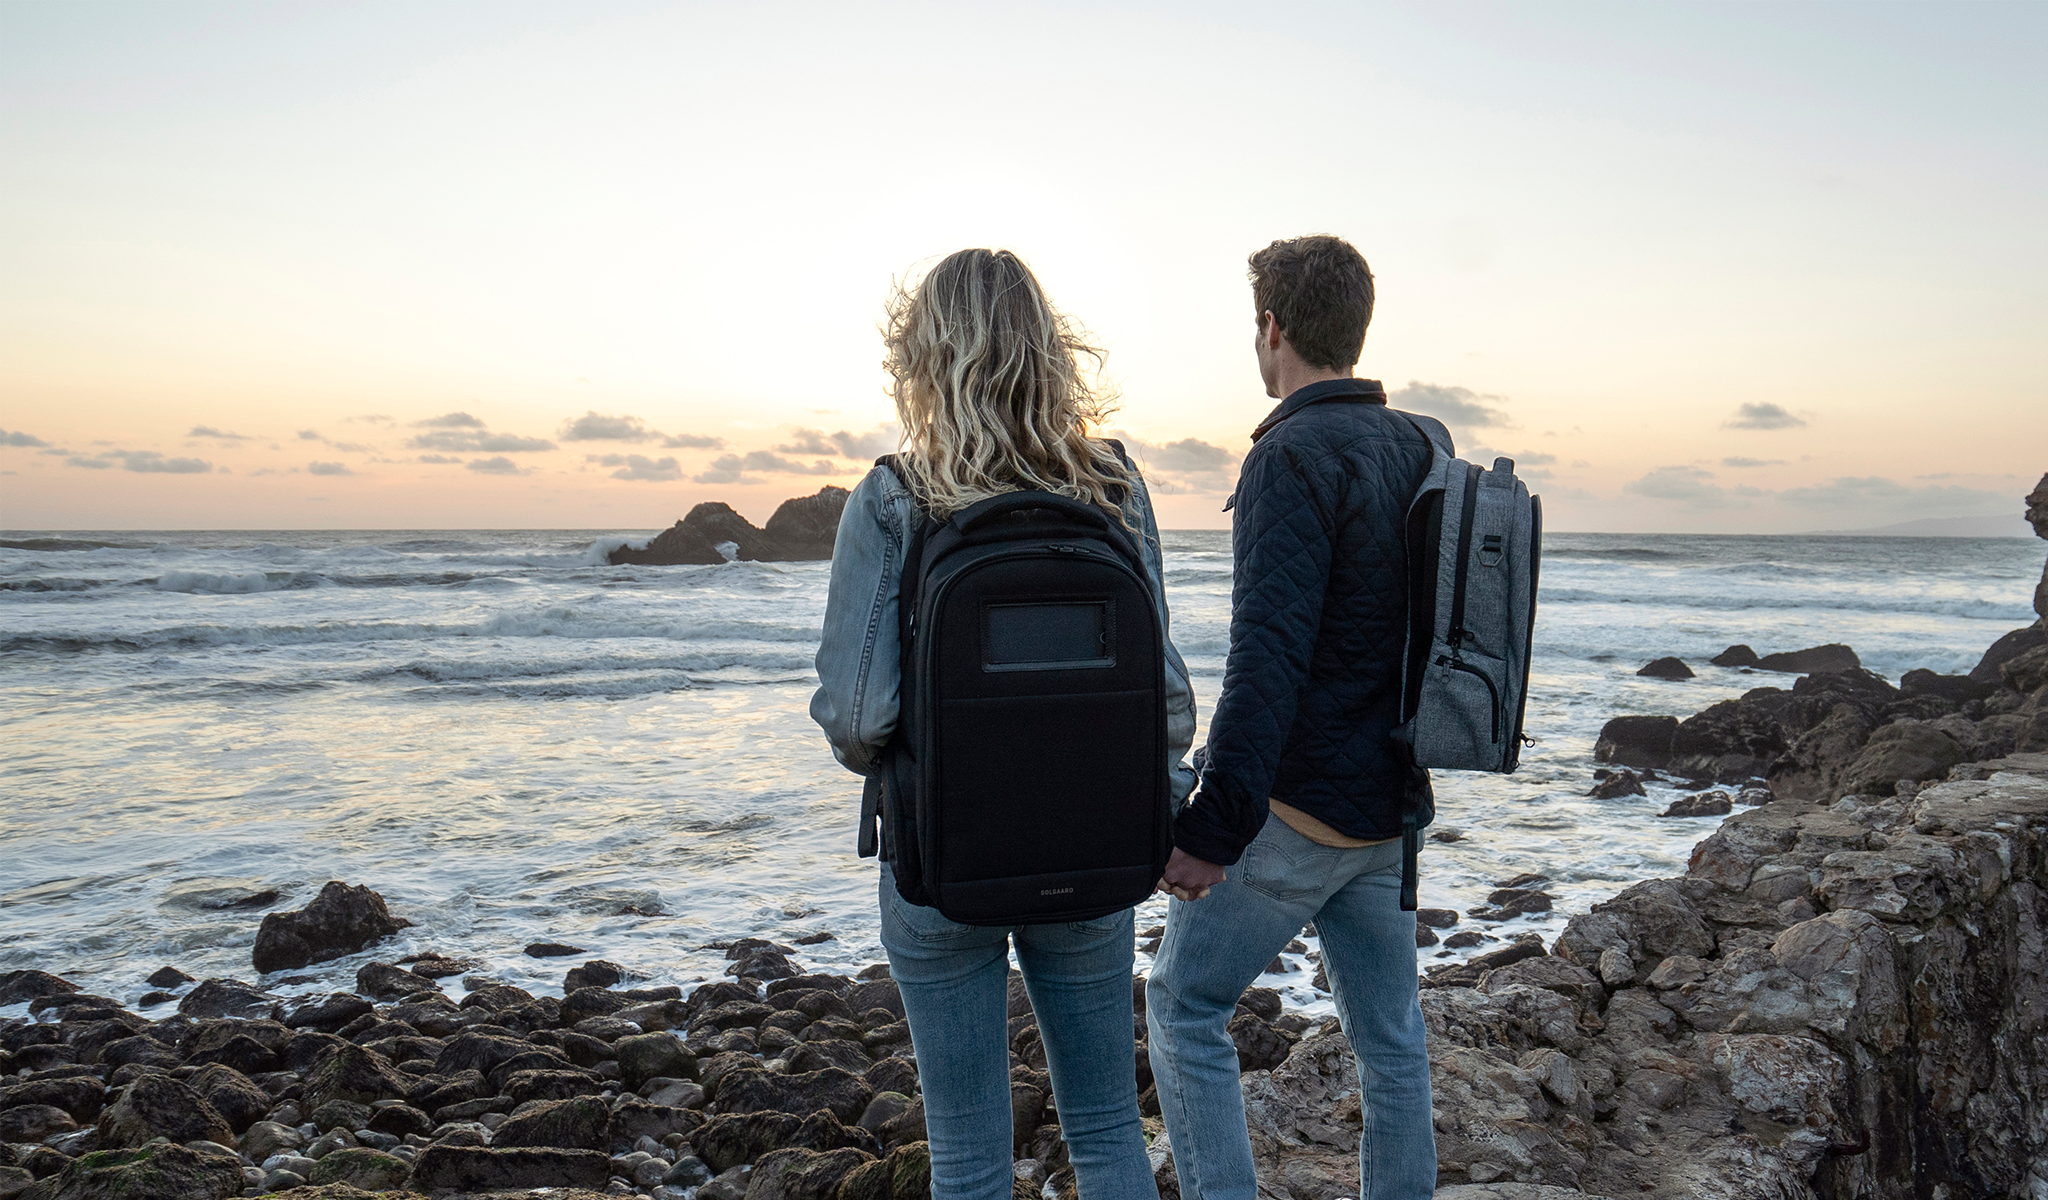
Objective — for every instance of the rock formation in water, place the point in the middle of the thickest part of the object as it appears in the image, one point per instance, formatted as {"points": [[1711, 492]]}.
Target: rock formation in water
{"points": [[801, 529], [2037, 516]]}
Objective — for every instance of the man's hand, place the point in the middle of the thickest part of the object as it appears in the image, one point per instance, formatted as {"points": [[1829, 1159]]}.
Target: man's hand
{"points": [[1188, 877]]}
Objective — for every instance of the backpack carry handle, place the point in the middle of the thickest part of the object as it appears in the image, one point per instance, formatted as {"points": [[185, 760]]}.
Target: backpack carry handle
{"points": [[983, 512]]}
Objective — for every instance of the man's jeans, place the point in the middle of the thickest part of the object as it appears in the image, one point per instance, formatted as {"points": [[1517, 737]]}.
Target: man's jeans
{"points": [[955, 981], [1215, 947]]}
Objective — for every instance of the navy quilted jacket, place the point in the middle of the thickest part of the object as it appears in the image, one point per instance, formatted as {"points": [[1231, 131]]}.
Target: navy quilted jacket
{"points": [[1318, 622]]}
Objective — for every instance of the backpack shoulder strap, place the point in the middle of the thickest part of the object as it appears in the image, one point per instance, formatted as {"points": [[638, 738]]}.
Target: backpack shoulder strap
{"points": [[1433, 432]]}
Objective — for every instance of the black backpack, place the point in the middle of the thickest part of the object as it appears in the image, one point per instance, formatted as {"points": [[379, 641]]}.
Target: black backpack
{"points": [[1026, 781]]}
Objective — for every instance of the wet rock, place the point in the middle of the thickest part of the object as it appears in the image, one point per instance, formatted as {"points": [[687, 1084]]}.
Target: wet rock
{"points": [[1425, 936], [805, 528], [1437, 918], [892, 1074], [1612, 785], [524, 1086], [1815, 660], [157, 1106], [1469, 972], [371, 1170], [444, 1168], [1705, 804], [552, 950], [596, 973], [1463, 940], [34, 1122], [633, 1119], [18, 986], [229, 998], [584, 1003], [239, 1101], [2007, 648], [341, 920], [1666, 668], [644, 1056], [1260, 1047], [352, 1073], [1735, 656], [583, 1123], [382, 981], [845, 1094], [876, 993], [803, 1174], [1729, 742], [479, 1051], [158, 1172], [266, 1138], [1636, 741], [82, 1096], [345, 1115], [326, 1013], [167, 977], [1813, 767]]}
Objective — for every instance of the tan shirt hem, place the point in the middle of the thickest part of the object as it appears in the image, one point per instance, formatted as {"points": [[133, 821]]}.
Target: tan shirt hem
{"points": [[1318, 832]]}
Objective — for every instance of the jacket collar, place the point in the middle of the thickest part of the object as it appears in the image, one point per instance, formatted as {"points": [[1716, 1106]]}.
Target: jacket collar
{"points": [[1329, 391]]}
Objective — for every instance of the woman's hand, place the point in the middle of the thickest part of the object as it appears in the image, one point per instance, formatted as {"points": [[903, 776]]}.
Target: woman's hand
{"points": [[1188, 877]]}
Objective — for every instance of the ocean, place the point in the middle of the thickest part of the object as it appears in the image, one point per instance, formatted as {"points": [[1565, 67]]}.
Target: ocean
{"points": [[515, 742]]}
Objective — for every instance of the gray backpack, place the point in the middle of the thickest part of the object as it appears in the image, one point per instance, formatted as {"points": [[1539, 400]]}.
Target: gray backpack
{"points": [[1474, 544]]}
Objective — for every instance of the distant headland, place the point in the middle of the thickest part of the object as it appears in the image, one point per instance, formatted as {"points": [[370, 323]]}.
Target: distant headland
{"points": [[801, 530]]}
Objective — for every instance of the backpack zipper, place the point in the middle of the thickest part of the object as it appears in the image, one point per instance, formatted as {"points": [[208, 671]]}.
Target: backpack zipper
{"points": [[1493, 693]]}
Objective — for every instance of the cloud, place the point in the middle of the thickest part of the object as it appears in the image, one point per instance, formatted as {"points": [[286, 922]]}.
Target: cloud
{"points": [[640, 467], [328, 468], [147, 462], [1875, 497], [480, 440], [775, 464], [497, 466], [1691, 486], [882, 439], [372, 418], [18, 438], [91, 464], [439, 458], [724, 469], [693, 441], [1451, 405], [1763, 416], [454, 420], [594, 426], [208, 431], [310, 435], [1484, 456], [1189, 466], [1737, 460]]}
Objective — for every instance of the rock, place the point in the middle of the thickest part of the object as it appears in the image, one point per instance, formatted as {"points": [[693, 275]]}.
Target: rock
{"points": [[1813, 767], [1729, 742], [2007, 648], [1902, 750], [167, 977], [596, 973], [352, 1073], [644, 1056], [1469, 972], [340, 920], [239, 1102], [803, 1174], [345, 1115], [156, 1172], [34, 1122], [892, 1074], [1636, 741], [19, 986], [382, 981], [1666, 668], [158, 1106], [1735, 656], [444, 1168], [552, 950], [633, 1119], [1260, 1047], [1813, 661], [1437, 918], [2026, 671], [229, 998], [266, 1138], [583, 1123], [1959, 688], [875, 993], [524, 1086], [326, 1013], [82, 1096], [845, 1094], [371, 1170], [1705, 804], [1615, 784], [806, 528]]}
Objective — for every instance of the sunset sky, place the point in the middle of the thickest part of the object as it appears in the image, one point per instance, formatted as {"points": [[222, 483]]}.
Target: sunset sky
{"points": [[1703, 267]]}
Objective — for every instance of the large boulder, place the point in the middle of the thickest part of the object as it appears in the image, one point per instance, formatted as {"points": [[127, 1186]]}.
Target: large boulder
{"points": [[157, 1172], [2007, 648], [444, 1168], [1814, 660], [360, 1166], [583, 1123], [340, 920], [1911, 750], [803, 1174], [1730, 742], [749, 1090], [1636, 742], [18, 986], [229, 998], [352, 1073], [1666, 668], [157, 1106], [645, 1056], [238, 1100], [801, 529], [1812, 769]]}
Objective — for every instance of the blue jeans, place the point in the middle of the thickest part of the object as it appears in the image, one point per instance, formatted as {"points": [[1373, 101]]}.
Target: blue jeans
{"points": [[955, 981], [1215, 947]]}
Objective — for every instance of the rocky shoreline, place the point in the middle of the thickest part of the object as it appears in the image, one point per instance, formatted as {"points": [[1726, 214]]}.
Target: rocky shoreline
{"points": [[802, 530]]}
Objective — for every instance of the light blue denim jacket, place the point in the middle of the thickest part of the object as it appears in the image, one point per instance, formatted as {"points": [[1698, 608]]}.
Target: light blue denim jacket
{"points": [[859, 672]]}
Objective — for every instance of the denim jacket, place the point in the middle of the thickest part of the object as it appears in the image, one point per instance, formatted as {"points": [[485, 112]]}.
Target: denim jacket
{"points": [[859, 663]]}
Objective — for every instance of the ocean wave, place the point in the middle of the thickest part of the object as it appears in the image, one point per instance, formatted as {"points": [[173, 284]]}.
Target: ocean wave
{"points": [[557, 689], [499, 669], [1618, 554], [52, 585], [63, 545], [556, 622], [1973, 607], [212, 583]]}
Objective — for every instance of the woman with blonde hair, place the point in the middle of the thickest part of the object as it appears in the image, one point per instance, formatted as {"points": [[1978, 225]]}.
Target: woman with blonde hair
{"points": [[992, 400]]}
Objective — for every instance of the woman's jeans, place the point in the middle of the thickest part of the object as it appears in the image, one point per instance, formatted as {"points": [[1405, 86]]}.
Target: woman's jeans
{"points": [[1215, 947], [955, 983]]}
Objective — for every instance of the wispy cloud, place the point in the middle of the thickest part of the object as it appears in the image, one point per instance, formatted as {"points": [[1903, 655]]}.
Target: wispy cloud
{"points": [[1454, 406], [1763, 416], [90, 464], [692, 441], [18, 438], [1693, 487], [150, 462], [594, 426], [1187, 466], [454, 420], [448, 459], [479, 440], [882, 439], [640, 467], [208, 431], [1737, 460], [497, 466], [328, 468]]}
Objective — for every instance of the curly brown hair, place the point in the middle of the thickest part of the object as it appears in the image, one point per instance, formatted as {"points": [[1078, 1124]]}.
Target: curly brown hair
{"points": [[1319, 289]]}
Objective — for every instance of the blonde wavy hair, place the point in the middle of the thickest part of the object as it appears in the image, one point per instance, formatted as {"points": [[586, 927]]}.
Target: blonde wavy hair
{"points": [[989, 388]]}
